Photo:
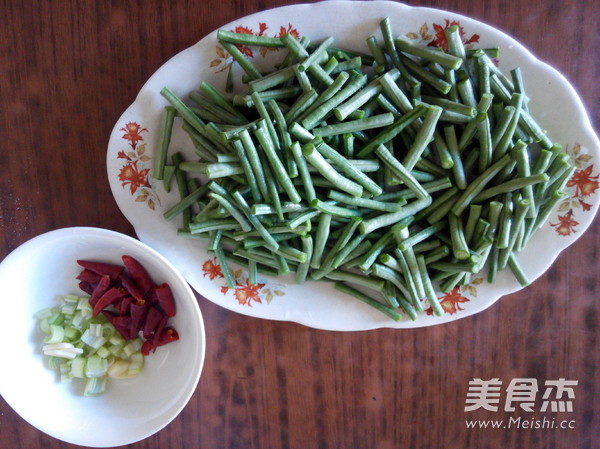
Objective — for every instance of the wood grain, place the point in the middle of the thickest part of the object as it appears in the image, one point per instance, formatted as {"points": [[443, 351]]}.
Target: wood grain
{"points": [[69, 68]]}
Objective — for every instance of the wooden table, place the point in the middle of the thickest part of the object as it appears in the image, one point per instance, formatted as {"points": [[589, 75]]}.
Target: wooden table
{"points": [[68, 70]]}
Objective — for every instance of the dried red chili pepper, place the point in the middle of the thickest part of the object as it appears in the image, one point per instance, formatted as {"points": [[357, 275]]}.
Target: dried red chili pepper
{"points": [[158, 331], [150, 297], [168, 335], [89, 276], [120, 323], [123, 304], [86, 287], [110, 316], [146, 347], [130, 301], [111, 296], [153, 318], [164, 296], [99, 290], [138, 273], [102, 268], [131, 287], [138, 316]]}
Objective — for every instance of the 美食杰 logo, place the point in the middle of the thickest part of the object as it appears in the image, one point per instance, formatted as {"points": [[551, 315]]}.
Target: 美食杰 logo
{"points": [[526, 399]]}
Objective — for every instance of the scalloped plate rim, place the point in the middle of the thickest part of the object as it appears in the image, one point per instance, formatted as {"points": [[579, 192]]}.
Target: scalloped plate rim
{"points": [[474, 306]]}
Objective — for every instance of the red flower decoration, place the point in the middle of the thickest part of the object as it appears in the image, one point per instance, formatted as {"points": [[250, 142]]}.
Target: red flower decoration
{"points": [[451, 302], [566, 224], [243, 48], [130, 174], [243, 30], [245, 293], [262, 27], [440, 40], [585, 184], [212, 269], [133, 133], [289, 30], [584, 206]]}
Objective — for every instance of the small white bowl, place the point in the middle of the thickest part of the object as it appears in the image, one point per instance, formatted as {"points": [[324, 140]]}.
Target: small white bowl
{"points": [[32, 277]]}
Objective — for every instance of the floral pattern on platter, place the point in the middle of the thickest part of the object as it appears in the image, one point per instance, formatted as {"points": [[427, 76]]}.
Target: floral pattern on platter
{"points": [[135, 171], [244, 292], [451, 301], [582, 185], [224, 60], [436, 36]]}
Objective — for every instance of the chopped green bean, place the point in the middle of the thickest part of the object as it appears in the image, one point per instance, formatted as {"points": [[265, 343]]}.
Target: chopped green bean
{"points": [[445, 59], [453, 184], [388, 219], [277, 166], [368, 300], [401, 172], [318, 161], [438, 310]]}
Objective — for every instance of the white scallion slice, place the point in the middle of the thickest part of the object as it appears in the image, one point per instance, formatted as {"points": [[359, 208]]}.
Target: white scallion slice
{"points": [[80, 346], [95, 386]]}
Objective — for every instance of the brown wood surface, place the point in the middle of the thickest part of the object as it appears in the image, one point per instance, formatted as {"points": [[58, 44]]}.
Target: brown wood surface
{"points": [[67, 71]]}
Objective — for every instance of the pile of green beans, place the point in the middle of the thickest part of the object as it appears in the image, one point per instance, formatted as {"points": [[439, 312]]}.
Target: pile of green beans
{"points": [[395, 174]]}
